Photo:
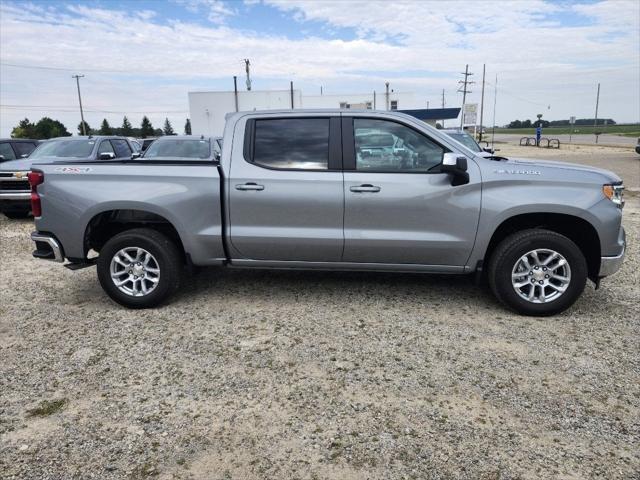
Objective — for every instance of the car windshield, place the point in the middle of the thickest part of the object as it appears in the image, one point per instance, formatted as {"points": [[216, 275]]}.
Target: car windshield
{"points": [[467, 140], [65, 149], [178, 149]]}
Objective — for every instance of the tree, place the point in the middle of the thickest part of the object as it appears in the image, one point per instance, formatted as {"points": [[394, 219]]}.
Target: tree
{"points": [[87, 129], [126, 130], [187, 127], [146, 129], [168, 129], [25, 129], [105, 128], [49, 128], [526, 124]]}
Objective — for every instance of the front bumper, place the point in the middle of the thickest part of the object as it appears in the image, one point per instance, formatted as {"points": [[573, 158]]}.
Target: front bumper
{"points": [[610, 265], [47, 247]]}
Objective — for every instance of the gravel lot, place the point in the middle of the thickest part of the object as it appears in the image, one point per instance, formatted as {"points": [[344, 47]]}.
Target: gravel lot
{"points": [[258, 374]]}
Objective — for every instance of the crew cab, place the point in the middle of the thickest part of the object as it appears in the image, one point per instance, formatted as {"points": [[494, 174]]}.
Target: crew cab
{"points": [[308, 189], [15, 192]]}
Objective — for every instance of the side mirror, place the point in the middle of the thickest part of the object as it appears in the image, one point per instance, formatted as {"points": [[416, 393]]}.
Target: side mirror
{"points": [[24, 155], [1, 157], [135, 155], [455, 165], [107, 156], [216, 156]]}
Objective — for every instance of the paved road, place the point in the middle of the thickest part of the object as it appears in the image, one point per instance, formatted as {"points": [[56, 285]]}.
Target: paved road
{"points": [[616, 140]]}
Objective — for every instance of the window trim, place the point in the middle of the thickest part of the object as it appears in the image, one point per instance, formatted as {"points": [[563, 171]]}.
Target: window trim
{"points": [[349, 147], [334, 160]]}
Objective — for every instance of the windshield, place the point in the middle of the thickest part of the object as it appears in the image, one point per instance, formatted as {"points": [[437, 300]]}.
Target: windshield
{"points": [[178, 149], [467, 140], [64, 149]]}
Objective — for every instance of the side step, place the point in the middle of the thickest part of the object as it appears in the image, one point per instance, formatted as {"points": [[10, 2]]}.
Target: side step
{"points": [[78, 266]]}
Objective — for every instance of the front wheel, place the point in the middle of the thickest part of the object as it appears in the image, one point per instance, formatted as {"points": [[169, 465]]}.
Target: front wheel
{"points": [[537, 272], [140, 268]]}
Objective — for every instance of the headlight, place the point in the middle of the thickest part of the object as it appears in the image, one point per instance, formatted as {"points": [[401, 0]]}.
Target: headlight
{"points": [[615, 193]]}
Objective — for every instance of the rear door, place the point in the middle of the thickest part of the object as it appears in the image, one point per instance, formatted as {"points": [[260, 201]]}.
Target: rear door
{"points": [[286, 197], [399, 208]]}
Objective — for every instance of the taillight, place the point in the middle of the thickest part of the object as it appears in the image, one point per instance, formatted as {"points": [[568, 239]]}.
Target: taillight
{"points": [[35, 179]]}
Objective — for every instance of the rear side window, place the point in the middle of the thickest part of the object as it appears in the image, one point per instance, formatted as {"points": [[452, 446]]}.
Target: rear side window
{"points": [[292, 143], [23, 148], [121, 147], [7, 152]]}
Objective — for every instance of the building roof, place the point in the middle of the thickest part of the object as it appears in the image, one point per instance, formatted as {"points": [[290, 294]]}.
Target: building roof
{"points": [[433, 113]]}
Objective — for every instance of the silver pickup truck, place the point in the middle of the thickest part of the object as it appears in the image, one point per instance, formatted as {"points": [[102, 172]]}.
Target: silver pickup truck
{"points": [[325, 189]]}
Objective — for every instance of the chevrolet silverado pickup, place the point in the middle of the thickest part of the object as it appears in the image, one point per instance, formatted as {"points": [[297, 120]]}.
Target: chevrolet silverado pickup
{"points": [[329, 189]]}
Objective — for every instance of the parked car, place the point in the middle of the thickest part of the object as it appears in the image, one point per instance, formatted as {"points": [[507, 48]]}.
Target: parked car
{"points": [[638, 147], [293, 189], [469, 142], [15, 192], [136, 145], [13, 148], [177, 148]]}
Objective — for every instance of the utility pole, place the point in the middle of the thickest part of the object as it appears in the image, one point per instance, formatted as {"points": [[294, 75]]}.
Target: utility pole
{"points": [[386, 95], [443, 106], [495, 100], [595, 121], [482, 100], [427, 104], [246, 67], [78, 77], [464, 91]]}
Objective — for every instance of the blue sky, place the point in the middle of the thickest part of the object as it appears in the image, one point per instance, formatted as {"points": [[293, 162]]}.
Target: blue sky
{"points": [[145, 55]]}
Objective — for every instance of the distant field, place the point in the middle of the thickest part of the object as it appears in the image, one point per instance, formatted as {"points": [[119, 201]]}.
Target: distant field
{"points": [[625, 130]]}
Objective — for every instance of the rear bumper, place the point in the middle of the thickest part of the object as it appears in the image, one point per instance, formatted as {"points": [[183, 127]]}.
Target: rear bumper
{"points": [[19, 195], [47, 247], [610, 265]]}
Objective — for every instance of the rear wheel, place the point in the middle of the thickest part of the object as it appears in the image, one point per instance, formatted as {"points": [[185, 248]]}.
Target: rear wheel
{"points": [[537, 272], [140, 268]]}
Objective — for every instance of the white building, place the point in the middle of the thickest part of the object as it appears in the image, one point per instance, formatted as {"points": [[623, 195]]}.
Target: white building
{"points": [[208, 109]]}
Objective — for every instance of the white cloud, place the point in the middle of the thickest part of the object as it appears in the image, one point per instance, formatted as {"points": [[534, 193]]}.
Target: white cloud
{"points": [[418, 46]]}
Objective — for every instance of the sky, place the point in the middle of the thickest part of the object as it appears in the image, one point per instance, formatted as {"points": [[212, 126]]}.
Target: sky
{"points": [[143, 56]]}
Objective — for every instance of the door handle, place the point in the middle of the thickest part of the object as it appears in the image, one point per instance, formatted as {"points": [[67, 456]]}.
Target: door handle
{"points": [[367, 187], [249, 186]]}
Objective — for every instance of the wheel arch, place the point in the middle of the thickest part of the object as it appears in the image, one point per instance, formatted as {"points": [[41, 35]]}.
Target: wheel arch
{"points": [[108, 223], [577, 229]]}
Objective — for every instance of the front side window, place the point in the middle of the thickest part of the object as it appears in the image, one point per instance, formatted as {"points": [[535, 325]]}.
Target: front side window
{"points": [[7, 152], [384, 146], [105, 147], [121, 147], [292, 143], [23, 148], [196, 149], [64, 149]]}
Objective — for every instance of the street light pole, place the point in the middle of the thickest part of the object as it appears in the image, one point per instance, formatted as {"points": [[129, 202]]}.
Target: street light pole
{"points": [[78, 77]]}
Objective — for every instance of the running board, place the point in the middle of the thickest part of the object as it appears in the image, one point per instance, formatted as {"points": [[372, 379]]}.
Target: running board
{"points": [[78, 266]]}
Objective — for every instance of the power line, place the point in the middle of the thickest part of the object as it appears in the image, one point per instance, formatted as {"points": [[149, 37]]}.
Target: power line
{"points": [[58, 108]]}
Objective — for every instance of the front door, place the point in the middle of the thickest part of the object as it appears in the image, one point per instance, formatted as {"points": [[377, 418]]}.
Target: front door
{"points": [[286, 199], [398, 208]]}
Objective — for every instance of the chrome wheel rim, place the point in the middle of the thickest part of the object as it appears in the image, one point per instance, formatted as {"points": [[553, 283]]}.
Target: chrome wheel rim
{"points": [[541, 276], [134, 271]]}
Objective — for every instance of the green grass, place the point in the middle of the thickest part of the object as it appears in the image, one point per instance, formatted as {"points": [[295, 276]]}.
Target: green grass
{"points": [[47, 407], [624, 130]]}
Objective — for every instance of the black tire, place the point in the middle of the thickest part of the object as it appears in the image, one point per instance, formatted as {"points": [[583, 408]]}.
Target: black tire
{"points": [[168, 258], [17, 214], [512, 248]]}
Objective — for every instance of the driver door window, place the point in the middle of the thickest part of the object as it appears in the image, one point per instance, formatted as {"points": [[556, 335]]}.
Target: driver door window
{"points": [[105, 147], [384, 146]]}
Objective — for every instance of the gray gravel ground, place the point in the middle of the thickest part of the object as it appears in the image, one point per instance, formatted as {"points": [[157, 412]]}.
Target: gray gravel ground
{"points": [[259, 374]]}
